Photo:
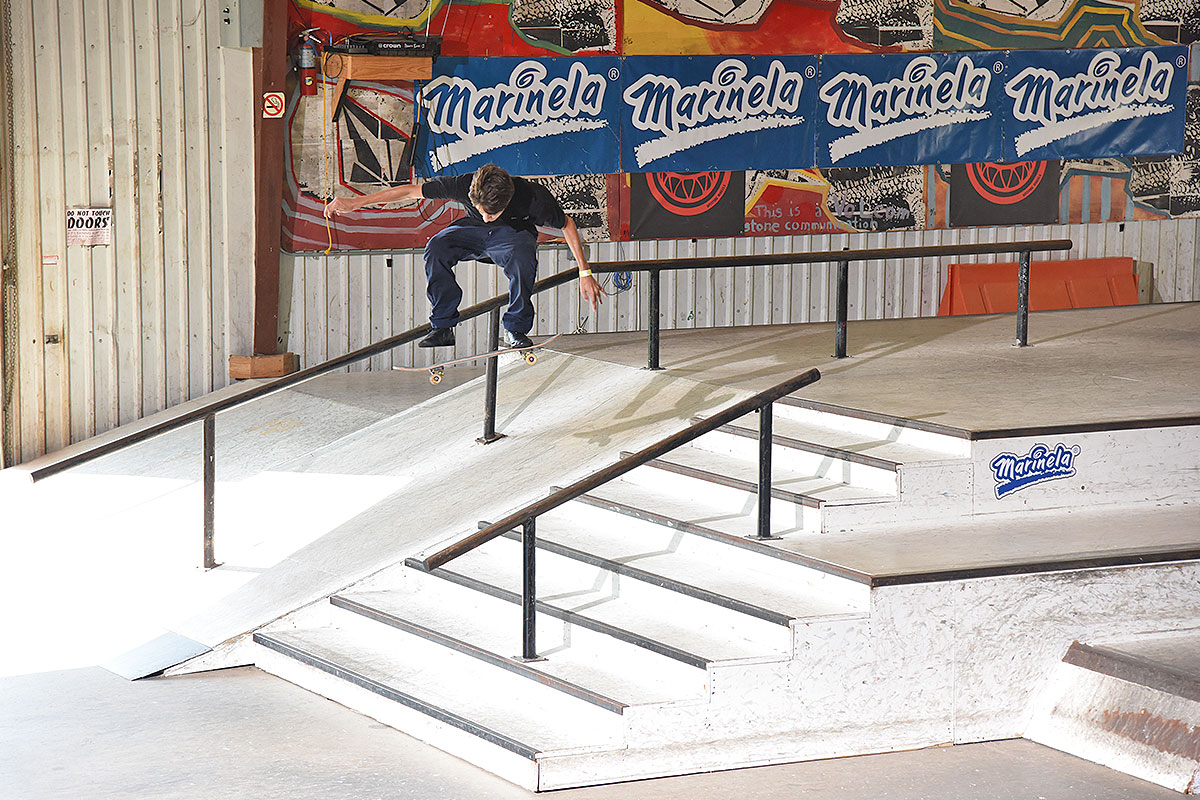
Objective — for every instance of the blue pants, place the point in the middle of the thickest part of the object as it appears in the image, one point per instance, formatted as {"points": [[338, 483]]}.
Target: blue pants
{"points": [[513, 250]]}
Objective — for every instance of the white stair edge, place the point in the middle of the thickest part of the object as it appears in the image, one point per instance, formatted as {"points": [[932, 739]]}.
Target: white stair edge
{"points": [[791, 459], [853, 595], [467, 746], [953, 446]]}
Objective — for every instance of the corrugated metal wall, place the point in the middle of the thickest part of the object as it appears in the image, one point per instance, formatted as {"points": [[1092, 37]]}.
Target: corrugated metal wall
{"points": [[127, 104], [342, 302], [131, 104]]}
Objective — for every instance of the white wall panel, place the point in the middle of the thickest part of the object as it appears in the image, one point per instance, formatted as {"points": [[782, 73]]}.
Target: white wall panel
{"points": [[337, 296], [127, 104]]}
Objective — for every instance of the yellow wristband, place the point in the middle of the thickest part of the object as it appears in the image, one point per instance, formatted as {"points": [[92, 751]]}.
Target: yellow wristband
{"points": [[585, 273]]}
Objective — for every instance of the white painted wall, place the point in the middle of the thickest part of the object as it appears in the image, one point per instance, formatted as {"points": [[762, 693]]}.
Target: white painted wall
{"points": [[127, 104]]}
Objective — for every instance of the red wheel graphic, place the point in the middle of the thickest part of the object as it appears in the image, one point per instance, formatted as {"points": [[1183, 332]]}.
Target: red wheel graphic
{"points": [[687, 193], [1005, 184]]}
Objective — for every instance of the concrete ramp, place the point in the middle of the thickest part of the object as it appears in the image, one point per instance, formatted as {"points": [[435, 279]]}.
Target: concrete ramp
{"points": [[319, 522]]}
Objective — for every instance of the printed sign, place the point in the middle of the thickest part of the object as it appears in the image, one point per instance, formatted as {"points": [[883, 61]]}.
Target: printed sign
{"points": [[899, 110], [552, 116], [1014, 473], [711, 114], [1094, 104], [89, 226], [273, 105]]}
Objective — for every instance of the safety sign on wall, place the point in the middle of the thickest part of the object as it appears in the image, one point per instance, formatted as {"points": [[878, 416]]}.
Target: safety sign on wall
{"points": [[273, 105], [89, 226]]}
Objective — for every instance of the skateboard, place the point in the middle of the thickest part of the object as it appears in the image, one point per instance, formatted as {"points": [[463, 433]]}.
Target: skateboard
{"points": [[437, 370]]}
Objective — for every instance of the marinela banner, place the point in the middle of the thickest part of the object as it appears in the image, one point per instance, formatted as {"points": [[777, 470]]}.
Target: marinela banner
{"points": [[683, 114], [895, 110], [549, 116], [1095, 104], [691, 114]]}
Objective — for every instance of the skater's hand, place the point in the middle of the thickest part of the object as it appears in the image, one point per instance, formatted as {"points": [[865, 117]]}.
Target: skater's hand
{"points": [[340, 205], [592, 291]]}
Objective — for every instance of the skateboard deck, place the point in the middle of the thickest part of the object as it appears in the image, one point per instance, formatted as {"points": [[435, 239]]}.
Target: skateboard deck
{"points": [[437, 370]]}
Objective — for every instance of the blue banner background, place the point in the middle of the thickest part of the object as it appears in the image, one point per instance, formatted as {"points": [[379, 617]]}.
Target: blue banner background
{"points": [[700, 114], [545, 116], [1144, 134], [565, 116], [900, 110]]}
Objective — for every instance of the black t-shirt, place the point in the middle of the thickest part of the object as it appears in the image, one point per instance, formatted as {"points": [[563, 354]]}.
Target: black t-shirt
{"points": [[531, 204]]}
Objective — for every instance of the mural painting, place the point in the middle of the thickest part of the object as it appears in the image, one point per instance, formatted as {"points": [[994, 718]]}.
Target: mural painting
{"points": [[816, 116]]}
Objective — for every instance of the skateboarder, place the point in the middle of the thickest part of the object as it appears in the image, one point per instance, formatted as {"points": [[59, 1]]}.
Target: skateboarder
{"points": [[502, 214]]}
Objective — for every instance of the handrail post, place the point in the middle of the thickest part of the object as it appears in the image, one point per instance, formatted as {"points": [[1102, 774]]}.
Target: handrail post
{"points": [[652, 345], [210, 490], [1023, 300], [489, 401], [843, 302], [765, 441], [529, 590]]}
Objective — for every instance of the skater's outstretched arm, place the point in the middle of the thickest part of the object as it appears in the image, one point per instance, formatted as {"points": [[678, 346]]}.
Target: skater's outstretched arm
{"points": [[589, 287], [392, 194]]}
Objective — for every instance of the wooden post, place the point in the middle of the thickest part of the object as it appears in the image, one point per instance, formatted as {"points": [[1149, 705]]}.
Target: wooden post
{"points": [[270, 140]]}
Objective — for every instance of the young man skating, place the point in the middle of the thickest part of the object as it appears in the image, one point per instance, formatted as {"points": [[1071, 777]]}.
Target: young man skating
{"points": [[503, 213]]}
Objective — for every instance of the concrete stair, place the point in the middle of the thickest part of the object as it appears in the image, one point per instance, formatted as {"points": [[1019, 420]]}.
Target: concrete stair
{"points": [[632, 619], [669, 634]]}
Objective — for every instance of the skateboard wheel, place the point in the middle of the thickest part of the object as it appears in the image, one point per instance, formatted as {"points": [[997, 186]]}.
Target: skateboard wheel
{"points": [[530, 358], [435, 378]]}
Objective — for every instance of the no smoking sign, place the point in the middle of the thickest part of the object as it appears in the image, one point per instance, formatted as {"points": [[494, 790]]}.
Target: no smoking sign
{"points": [[273, 105]]}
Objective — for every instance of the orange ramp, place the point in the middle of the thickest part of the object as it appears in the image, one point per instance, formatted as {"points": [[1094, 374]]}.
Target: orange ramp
{"points": [[1082, 283]]}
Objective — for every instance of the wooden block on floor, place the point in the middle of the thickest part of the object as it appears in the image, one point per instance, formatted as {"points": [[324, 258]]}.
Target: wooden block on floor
{"points": [[243, 367]]}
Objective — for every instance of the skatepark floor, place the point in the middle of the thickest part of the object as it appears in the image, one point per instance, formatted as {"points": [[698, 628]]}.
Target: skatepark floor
{"points": [[87, 733]]}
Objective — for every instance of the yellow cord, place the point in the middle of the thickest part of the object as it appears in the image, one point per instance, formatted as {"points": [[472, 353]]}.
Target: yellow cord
{"points": [[325, 155]]}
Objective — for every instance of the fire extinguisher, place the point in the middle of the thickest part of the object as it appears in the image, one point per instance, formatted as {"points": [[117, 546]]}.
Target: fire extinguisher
{"points": [[306, 62]]}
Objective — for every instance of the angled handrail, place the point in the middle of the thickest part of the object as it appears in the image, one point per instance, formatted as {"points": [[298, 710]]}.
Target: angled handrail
{"points": [[630, 462], [527, 516]]}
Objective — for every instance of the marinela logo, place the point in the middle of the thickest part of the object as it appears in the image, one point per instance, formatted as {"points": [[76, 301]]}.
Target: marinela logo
{"points": [[1062, 106], [1013, 472]]}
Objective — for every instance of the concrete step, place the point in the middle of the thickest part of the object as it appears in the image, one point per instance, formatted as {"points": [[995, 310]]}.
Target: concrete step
{"points": [[693, 484], [692, 628], [636, 502], [1132, 705], [894, 438], [805, 457], [761, 583], [739, 471], [586, 664], [491, 717]]}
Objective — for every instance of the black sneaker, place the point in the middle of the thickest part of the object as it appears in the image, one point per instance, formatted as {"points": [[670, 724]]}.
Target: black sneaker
{"points": [[438, 337], [517, 340]]}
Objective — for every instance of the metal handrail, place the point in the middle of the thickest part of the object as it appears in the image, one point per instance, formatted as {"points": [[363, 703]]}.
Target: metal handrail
{"points": [[207, 412], [626, 464], [527, 516]]}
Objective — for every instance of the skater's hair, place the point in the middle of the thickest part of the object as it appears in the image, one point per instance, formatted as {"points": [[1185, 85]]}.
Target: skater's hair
{"points": [[491, 189]]}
